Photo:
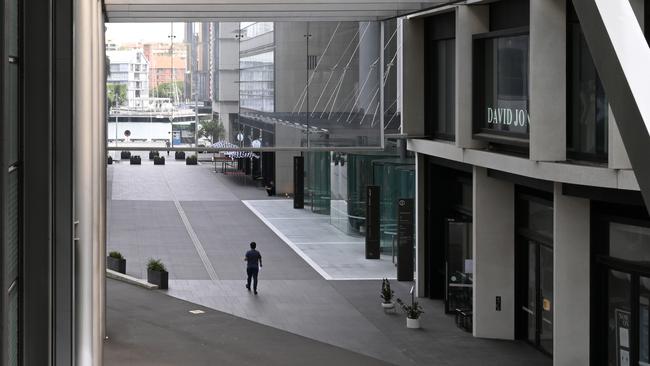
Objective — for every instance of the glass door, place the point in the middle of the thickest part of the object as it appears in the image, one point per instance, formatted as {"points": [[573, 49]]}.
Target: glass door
{"points": [[537, 304], [459, 266]]}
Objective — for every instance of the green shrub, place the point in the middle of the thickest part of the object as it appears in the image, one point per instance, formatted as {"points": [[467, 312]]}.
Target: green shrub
{"points": [[156, 265], [115, 254]]}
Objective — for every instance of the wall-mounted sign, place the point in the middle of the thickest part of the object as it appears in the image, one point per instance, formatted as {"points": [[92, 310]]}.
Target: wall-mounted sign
{"points": [[508, 117], [623, 323]]}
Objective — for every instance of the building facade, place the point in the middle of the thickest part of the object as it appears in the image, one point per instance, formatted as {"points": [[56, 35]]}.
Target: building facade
{"points": [[130, 68], [529, 214]]}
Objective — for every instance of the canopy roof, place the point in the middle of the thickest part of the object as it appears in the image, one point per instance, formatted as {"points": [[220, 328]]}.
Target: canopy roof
{"points": [[260, 10]]}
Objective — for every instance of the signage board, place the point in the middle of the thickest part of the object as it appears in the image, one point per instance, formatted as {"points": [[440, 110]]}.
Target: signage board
{"points": [[372, 222], [405, 239]]}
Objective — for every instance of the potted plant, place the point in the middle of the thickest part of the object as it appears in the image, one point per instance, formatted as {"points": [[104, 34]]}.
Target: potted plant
{"points": [[413, 313], [125, 155], [179, 155], [116, 262], [387, 295], [109, 160], [153, 154], [190, 160], [157, 273], [135, 160], [158, 160]]}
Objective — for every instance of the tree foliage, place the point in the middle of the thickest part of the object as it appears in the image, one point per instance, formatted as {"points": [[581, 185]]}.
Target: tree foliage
{"points": [[166, 90], [212, 129], [114, 91]]}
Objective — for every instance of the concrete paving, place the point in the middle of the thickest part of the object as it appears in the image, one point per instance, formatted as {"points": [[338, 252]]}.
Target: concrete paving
{"points": [[147, 328], [331, 252], [293, 296]]}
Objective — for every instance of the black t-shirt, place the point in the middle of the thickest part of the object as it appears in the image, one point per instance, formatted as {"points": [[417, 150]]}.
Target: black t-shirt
{"points": [[253, 258]]}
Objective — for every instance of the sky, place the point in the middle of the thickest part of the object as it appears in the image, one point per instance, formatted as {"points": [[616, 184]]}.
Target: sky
{"points": [[144, 32]]}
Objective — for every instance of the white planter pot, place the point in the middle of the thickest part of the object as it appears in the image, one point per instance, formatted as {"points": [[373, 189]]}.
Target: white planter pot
{"points": [[387, 305], [412, 323]]}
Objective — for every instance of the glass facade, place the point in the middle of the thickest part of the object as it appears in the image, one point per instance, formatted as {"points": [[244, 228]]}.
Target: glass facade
{"points": [[317, 83], [588, 110], [256, 84], [335, 185]]}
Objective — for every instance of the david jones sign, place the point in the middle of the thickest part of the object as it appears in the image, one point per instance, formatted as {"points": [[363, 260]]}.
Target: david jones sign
{"points": [[508, 117]]}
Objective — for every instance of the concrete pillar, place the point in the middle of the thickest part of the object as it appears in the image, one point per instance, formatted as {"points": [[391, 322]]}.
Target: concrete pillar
{"points": [[412, 69], [494, 256], [420, 222], [547, 80], [571, 258], [616, 154], [470, 20]]}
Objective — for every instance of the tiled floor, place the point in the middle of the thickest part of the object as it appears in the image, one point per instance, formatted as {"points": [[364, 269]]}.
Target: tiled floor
{"points": [[293, 296]]}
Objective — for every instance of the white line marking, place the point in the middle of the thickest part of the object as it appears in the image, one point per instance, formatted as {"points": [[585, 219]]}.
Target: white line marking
{"points": [[293, 246], [195, 239]]}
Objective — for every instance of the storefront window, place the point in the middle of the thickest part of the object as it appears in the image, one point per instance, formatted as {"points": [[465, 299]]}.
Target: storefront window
{"points": [[502, 84], [587, 104], [629, 242]]}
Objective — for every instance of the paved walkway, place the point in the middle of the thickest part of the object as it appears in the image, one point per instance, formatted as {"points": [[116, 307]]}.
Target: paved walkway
{"points": [[201, 230], [148, 328], [332, 253]]}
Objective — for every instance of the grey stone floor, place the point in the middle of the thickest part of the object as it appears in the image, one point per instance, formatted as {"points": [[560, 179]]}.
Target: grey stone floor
{"points": [[331, 252], [293, 296], [147, 328]]}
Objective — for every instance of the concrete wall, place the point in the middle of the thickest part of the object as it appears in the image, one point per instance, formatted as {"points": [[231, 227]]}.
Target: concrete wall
{"points": [[547, 80], [571, 258], [494, 256]]}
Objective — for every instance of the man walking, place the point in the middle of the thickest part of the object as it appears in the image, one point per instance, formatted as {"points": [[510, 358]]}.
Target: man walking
{"points": [[253, 258]]}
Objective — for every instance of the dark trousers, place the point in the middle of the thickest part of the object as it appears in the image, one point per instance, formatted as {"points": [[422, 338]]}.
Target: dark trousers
{"points": [[252, 272]]}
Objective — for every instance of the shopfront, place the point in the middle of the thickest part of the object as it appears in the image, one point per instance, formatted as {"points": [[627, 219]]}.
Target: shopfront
{"points": [[621, 285], [534, 268], [449, 252]]}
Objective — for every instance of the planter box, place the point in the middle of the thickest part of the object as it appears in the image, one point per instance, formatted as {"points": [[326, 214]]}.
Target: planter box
{"points": [[179, 155], [153, 154], [135, 160], [109, 160], [158, 278], [125, 155], [158, 160], [191, 160], [412, 323], [116, 264]]}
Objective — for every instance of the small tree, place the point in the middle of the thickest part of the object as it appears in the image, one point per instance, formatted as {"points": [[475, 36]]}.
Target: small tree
{"points": [[167, 90], [116, 91], [212, 129]]}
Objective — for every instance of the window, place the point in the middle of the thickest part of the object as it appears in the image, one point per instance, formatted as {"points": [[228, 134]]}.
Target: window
{"points": [[587, 106], [501, 87], [501, 59], [440, 60]]}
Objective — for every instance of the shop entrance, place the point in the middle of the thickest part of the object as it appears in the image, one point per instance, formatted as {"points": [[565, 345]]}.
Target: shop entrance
{"points": [[537, 313], [534, 268], [459, 268], [622, 300]]}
